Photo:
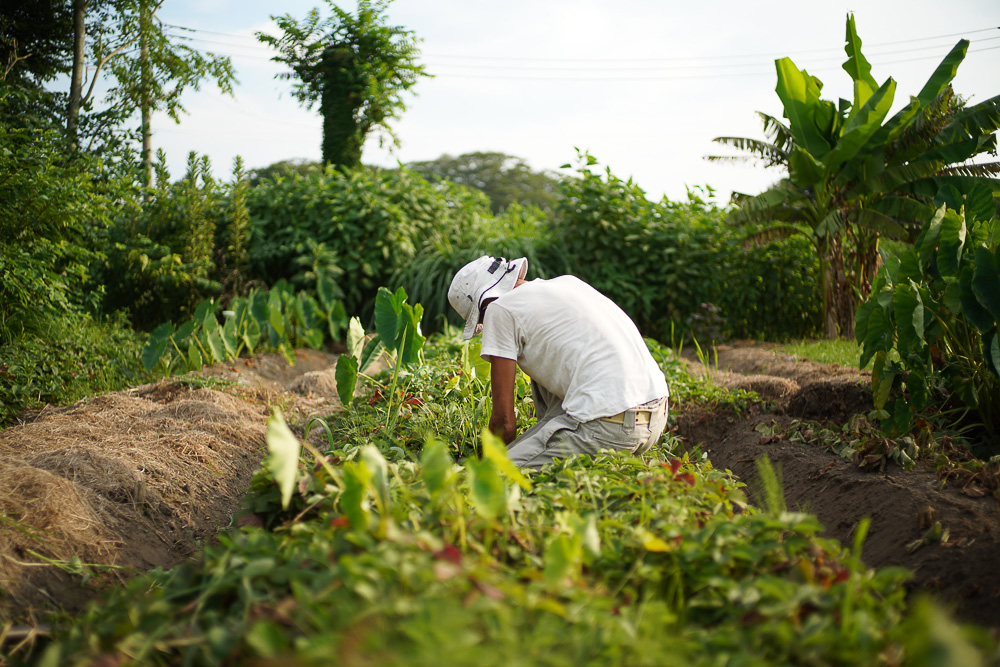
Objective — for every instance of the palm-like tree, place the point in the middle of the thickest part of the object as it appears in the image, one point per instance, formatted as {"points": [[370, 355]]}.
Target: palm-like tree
{"points": [[852, 180]]}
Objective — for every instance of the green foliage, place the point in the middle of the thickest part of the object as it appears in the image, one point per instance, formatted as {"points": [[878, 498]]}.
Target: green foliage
{"points": [[505, 179], [855, 177], [277, 319], [369, 223], [64, 358], [937, 306], [355, 66], [667, 263], [172, 247]]}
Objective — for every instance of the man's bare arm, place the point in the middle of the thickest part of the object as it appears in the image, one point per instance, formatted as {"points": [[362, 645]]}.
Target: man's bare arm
{"points": [[503, 422]]}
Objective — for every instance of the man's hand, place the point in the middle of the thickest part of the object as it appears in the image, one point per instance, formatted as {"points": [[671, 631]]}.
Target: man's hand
{"points": [[503, 422]]}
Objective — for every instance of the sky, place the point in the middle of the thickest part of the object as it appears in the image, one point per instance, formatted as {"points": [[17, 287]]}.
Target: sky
{"points": [[642, 85]]}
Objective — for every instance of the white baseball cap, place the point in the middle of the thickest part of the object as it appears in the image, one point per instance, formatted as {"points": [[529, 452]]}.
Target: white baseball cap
{"points": [[481, 279]]}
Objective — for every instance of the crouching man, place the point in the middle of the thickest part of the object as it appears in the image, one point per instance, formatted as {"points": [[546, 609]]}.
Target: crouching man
{"points": [[594, 383]]}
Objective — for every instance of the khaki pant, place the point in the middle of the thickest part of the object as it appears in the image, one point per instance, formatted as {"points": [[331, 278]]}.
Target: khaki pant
{"points": [[557, 435]]}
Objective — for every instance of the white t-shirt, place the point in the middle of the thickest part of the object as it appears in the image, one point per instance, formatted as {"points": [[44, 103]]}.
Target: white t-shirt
{"points": [[575, 342]]}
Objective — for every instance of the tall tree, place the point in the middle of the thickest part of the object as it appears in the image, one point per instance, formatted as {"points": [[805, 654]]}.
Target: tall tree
{"points": [[854, 177], [147, 69], [355, 66], [504, 178]]}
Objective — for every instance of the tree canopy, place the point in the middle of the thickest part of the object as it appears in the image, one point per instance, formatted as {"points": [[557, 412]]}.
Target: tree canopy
{"points": [[355, 66]]}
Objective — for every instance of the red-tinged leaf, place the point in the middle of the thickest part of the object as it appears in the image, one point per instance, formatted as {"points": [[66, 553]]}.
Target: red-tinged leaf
{"points": [[449, 553], [675, 465], [340, 522], [415, 401], [687, 477]]}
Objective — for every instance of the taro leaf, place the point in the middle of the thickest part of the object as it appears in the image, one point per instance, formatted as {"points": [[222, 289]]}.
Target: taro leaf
{"points": [[201, 313], [313, 338], [194, 358], [267, 639], [274, 316], [375, 462], [156, 345], [371, 352], [487, 491], [953, 232], [437, 467], [229, 338], [250, 334], [562, 559], [878, 337], [883, 386], [495, 451], [861, 320], [283, 462], [354, 499], [388, 307], [991, 351], [215, 344], [929, 236], [327, 291], [183, 331], [986, 280], [980, 205], [347, 378], [909, 314], [355, 338], [971, 308], [910, 267], [409, 338]]}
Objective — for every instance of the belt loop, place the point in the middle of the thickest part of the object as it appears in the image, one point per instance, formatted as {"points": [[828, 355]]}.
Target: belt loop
{"points": [[628, 423]]}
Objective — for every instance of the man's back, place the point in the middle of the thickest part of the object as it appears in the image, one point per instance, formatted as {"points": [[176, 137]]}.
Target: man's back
{"points": [[575, 342]]}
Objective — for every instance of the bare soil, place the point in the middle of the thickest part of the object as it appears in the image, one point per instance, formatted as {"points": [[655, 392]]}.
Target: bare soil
{"points": [[961, 571], [142, 478]]}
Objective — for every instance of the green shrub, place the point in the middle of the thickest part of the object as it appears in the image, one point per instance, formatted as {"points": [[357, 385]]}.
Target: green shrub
{"points": [[937, 306], [673, 265], [67, 357], [369, 222]]}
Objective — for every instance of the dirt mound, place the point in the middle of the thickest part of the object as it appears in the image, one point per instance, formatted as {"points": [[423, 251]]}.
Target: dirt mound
{"points": [[134, 480], [948, 540]]}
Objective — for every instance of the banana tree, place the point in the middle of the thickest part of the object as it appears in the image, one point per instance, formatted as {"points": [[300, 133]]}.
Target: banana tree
{"points": [[854, 177]]}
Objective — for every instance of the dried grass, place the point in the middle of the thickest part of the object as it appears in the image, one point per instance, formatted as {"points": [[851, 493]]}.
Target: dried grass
{"points": [[83, 480]]}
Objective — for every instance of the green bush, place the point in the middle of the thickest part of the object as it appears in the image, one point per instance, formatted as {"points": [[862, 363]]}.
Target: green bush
{"points": [[675, 266], [66, 358], [937, 307], [368, 222]]}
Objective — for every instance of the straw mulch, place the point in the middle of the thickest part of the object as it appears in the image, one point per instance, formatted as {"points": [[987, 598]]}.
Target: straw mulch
{"points": [[121, 483]]}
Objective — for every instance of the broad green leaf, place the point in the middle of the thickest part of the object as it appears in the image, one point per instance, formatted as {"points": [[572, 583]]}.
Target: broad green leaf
{"points": [[562, 559], [883, 386], [487, 491], [388, 307], [379, 469], [229, 338], [910, 267], [347, 378], [943, 74], [496, 451], [206, 307], [267, 639], [183, 331], [953, 231], [927, 241], [986, 280], [156, 345], [437, 467], [283, 462], [409, 338], [878, 337], [909, 315], [313, 338], [805, 170], [274, 315], [371, 352], [250, 334], [856, 65], [862, 125], [991, 351], [810, 118], [980, 205], [355, 338], [194, 358], [216, 347], [972, 309], [354, 499]]}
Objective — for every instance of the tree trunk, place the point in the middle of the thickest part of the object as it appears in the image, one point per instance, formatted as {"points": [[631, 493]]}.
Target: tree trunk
{"points": [[76, 78], [144, 101]]}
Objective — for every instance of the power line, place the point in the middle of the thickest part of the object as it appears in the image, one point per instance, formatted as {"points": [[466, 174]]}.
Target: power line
{"points": [[609, 60]]}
